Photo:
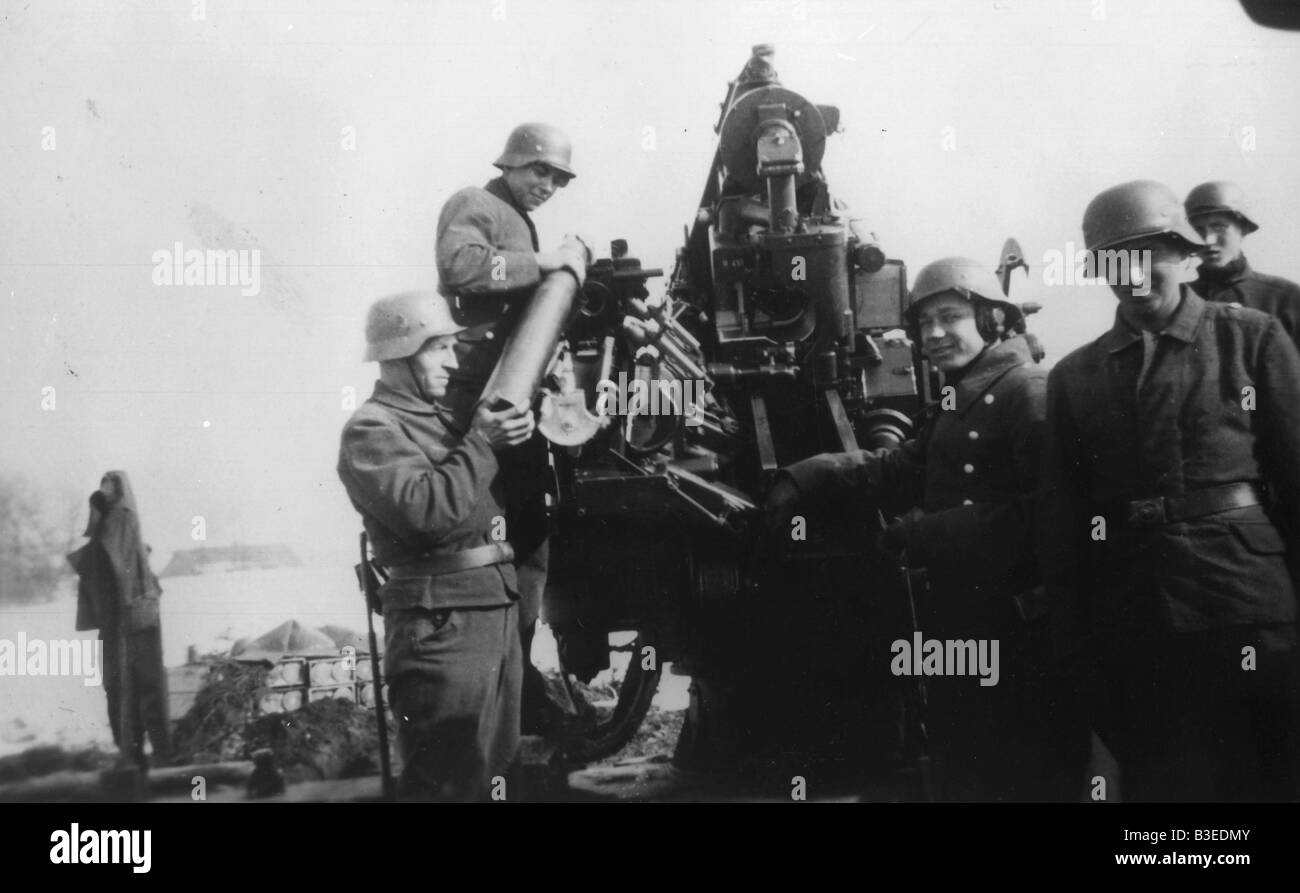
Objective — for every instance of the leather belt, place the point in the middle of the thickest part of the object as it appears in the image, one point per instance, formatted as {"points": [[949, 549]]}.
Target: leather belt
{"points": [[452, 562], [1159, 510]]}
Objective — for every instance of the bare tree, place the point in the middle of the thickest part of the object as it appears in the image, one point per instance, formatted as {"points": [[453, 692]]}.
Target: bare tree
{"points": [[37, 530]]}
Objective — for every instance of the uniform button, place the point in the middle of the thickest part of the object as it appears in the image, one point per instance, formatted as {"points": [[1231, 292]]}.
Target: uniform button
{"points": [[490, 335], [967, 502], [988, 398], [968, 468], [974, 435]]}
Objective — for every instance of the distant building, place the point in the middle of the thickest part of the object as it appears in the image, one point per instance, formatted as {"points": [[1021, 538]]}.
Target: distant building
{"points": [[225, 559]]}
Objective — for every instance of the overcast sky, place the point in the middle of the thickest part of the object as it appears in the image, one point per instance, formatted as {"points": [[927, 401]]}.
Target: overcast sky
{"points": [[326, 135]]}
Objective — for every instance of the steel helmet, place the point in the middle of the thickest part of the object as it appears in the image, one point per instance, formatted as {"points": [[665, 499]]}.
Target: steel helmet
{"points": [[1220, 196], [969, 278], [398, 325], [537, 142], [1135, 210]]}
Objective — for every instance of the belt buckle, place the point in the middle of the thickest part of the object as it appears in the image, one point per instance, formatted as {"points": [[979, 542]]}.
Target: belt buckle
{"points": [[1146, 512]]}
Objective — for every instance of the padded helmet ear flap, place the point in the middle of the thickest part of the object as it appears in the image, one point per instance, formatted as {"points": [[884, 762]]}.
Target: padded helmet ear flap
{"points": [[990, 320]]}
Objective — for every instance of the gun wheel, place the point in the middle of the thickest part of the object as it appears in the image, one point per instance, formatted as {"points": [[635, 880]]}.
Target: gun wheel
{"points": [[619, 717]]}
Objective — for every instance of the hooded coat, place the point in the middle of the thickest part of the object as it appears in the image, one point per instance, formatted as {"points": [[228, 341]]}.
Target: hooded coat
{"points": [[116, 583], [118, 594]]}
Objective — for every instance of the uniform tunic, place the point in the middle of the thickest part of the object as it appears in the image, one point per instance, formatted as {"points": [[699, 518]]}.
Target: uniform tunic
{"points": [[1242, 285], [1167, 608], [424, 486], [973, 469], [487, 268]]}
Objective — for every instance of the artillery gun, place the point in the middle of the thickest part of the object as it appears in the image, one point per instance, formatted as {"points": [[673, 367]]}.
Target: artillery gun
{"points": [[778, 336]]}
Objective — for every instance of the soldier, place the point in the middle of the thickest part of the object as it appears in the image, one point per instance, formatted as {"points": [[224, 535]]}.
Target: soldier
{"points": [[489, 264], [972, 470], [430, 497], [1218, 212], [1172, 572]]}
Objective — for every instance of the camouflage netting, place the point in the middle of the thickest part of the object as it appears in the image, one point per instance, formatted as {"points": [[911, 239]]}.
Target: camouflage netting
{"points": [[212, 730], [326, 739]]}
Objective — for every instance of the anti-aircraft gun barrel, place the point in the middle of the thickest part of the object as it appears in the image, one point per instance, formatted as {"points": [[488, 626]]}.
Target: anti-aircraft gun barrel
{"points": [[530, 348]]}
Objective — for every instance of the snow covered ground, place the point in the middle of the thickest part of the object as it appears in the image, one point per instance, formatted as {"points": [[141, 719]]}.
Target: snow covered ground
{"points": [[210, 612]]}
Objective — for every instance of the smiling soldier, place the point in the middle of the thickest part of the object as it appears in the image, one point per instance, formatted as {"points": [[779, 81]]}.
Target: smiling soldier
{"points": [[489, 265], [971, 472], [1171, 511]]}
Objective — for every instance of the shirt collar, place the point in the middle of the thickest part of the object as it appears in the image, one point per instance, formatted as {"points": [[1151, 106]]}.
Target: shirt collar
{"points": [[1238, 271], [1187, 318], [408, 402], [498, 187], [1182, 325], [401, 398]]}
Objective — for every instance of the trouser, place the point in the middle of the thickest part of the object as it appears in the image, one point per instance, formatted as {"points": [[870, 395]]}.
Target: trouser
{"points": [[1204, 716], [454, 680], [1023, 739], [144, 691], [537, 708], [525, 473], [525, 470]]}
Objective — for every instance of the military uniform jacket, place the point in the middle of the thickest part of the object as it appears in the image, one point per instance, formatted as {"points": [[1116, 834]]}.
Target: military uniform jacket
{"points": [[1269, 294], [973, 469], [487, 265], [1220, 405], [424, 486]]}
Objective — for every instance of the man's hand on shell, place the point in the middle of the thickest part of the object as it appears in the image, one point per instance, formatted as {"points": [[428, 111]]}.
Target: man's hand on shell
{"points": [[506, 427]]}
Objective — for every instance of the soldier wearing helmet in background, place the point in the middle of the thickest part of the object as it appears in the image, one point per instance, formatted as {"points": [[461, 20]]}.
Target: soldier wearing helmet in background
{"points": [[971, 472], [428, 490], [1170, 567], [1218, 212], [489, 263]]}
